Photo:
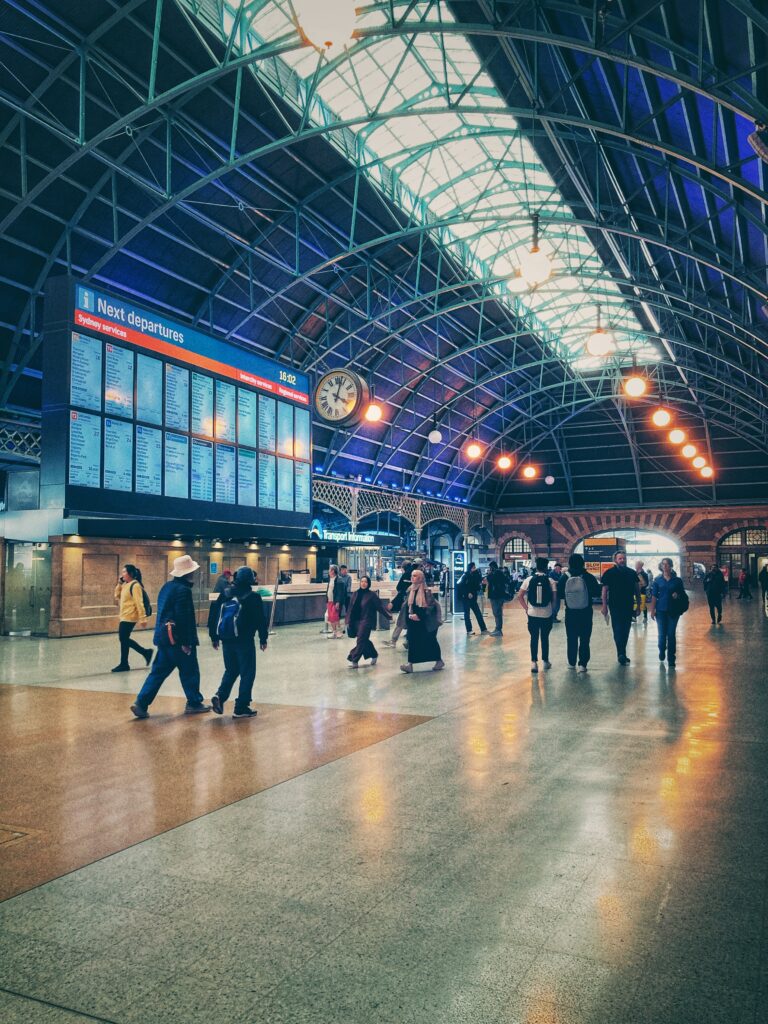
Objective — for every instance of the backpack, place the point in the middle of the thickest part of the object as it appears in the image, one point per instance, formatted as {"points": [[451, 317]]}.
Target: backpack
{"points": [[145, 598], [539, 591], [681, 602], [229, 618], [576, 593]]}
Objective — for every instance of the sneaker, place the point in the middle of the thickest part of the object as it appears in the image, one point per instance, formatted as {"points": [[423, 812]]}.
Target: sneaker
{"points": [[624, 660], [147, 652], [534, 666], [495, 632], [571, 666], [217, 704], [483, 632], [197, 709], [247, 712], [139, 711], [374, 660], [122, 668], [547, 664], [353, 664], [471, 632], [581, 669]]}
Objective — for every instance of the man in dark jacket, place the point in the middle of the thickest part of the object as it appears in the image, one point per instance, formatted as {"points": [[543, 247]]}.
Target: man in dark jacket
{"points": [[497, 593], [470, 587], [621, 594], [714, 587], [402, 587], [176, 642], [235, 619]]}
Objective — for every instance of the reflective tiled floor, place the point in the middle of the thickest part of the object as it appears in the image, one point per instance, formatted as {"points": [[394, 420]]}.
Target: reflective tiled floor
{"points": [[542, 850]]}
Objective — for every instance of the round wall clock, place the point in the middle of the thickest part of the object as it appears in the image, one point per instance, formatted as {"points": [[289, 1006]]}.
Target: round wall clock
{"points": [[341, 397]]}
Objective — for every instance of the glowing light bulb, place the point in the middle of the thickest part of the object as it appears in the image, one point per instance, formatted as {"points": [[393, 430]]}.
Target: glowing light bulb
{"points": [[535, 266], [329, 24], [662, 417], [699, 461], [530, 472], [373, 413], [707, 472], [635, 387], [689, 451], [504, 462], [549, 480], [677, 436], [600, 343], [474, 451]]}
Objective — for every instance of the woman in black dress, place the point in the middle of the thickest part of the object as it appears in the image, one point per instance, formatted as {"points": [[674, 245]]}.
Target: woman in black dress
{"points": [[423, 622], [363, 610]]}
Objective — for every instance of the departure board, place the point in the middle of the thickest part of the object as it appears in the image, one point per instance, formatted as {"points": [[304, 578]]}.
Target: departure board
{"points": [[147, 417]]}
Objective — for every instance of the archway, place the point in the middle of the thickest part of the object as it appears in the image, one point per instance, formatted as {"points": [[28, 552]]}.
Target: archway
{"points": [[643, 545], [516, 553], [744, 548]]}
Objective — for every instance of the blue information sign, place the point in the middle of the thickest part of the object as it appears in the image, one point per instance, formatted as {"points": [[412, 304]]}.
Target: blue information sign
{"points": [[118, 381], [118, 455], [226, 489], [285, 485], [85, 372], [176, 465], [267, 481], [246, 417], [202, 470], [149, 389], [84, 449], [149, 460], [176, 397], [202, 405]]}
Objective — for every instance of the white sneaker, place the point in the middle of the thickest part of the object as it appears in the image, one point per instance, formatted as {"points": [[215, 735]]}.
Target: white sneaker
{"points": [[547, 664], [534, 666], [581, 669]]}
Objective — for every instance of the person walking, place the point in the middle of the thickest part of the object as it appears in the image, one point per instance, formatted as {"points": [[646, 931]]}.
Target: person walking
{"points": [[745, 586], [470, 587], [643, 582], [556, 574], [130, 593], [537, 599], [497, 594], [668, 602], [577, 589], [335, 596], [234, 620], [361, 620], [397, 605], [223, 580], [424, 620], [346, 579], [621, 594], [176, 642], [762, 579], [714, 587]]}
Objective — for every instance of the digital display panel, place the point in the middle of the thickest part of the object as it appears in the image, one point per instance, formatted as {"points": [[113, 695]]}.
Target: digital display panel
{"points": [[301, 435], [267, 424], [303, 486], [118, 455], [226, 486], [284, 429], [85, 372], [149, 460], [176, 465], [202, 470], [225, 411], [202, 405], [285, 485], [176, 397], [118, 381], [246, 418], [84, 449], [149, 389], [247, 490], [267, 481]]}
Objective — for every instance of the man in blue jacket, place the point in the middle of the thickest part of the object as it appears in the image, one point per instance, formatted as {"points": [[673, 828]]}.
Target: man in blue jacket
{"points": [[176, 642], [234, 620]]}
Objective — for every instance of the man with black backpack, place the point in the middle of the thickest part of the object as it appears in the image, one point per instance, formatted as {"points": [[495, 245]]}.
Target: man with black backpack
{"points": [[234, 620], [537, 598], [577, 589]]}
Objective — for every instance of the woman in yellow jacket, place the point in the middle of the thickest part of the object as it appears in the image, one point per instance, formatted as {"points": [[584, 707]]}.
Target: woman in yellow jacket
{"points": [[129, 592]]}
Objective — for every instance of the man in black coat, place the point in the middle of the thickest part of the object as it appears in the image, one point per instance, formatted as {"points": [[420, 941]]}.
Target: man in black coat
{"points": [[176, 642], [470, 587], [497, 593], [234, 620], [714, 587]]}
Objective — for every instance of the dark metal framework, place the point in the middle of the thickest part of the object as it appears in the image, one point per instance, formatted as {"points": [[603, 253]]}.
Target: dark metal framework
{"points": [[141, 148]]}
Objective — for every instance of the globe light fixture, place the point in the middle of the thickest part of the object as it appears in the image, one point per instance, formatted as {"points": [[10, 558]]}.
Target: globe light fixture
{"points": [[689, 451], [677, 436], [328, 25], [535, 266], [699, 462], [661, 417], [434, 436], [504, 462], [530, 472], [549, 480], [635, 386], [373, 413], [474, 450], [600, 342], [707, 472]]}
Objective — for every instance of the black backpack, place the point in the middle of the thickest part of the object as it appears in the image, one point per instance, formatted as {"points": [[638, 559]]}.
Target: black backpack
{"points": [[539, 591], [145, 599]]}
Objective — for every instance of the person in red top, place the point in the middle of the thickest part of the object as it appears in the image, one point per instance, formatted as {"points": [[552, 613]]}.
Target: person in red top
{"points": [[745, 586]]}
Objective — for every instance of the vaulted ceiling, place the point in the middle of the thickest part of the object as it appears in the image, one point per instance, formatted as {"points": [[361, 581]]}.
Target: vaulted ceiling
{"points": [[369, 207]]}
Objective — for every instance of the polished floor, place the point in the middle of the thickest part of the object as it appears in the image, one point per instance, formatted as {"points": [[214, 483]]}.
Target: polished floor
{"points": [[477, 845]]}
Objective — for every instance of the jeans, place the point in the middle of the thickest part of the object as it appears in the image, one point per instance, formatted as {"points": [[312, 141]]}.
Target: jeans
{"points": [[555, 602], [239, 660], [578, 630], [472, 605], [539, 628], [166, 660], [497, 604], [621, 622], [715, 605], [124, 631], [667, 641]]}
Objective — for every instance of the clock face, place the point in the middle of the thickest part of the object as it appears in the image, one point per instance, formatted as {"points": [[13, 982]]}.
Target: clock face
{"points": [[339, 396]]}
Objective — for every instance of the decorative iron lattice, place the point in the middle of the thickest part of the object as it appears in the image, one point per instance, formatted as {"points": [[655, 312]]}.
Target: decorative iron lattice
{"points": [[20, 442], [432, 510], [382, 501], [338, 496]]}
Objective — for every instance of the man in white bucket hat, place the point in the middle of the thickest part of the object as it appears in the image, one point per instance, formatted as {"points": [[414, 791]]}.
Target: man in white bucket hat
{"points": [[176, 642]]}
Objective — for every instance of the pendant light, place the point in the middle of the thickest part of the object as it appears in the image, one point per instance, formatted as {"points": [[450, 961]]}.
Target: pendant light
{"points": [[473, 450], [699, 462], [535, 266], [635, 386], [689, 450], [435, 435], [677, 436], [661, 417], [530, 472], [328, 25], [600, 342], [504, 462]]}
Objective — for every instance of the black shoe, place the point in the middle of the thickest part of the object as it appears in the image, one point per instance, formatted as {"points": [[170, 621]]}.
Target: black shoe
{"points": [[471, 633], [624, 660], [662, 655], [122, 668], [217, 704], [672, 662], [147, 652], [247, 712], [197, 709], [713, 622], [139, 711], [483, 632]]}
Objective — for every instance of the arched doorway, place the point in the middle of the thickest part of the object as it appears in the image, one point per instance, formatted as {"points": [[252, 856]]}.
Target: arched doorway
{"points": [[645, 546], [745, 548], [515, 554]]}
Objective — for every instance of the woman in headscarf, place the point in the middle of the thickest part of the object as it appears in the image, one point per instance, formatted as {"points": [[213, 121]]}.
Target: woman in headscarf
{"points": [[423, 621], [364, 608]]}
